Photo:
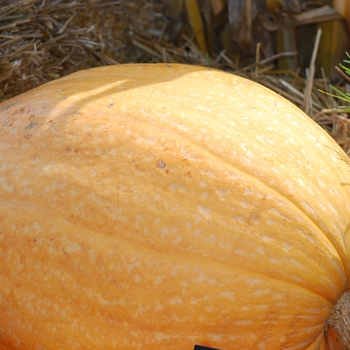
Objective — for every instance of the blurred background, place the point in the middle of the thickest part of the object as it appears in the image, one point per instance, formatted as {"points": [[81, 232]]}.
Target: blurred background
{"points": [[290, 46]]}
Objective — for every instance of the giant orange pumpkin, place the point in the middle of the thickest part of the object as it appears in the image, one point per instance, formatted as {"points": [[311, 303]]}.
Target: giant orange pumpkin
{"points": [[163, 206]]}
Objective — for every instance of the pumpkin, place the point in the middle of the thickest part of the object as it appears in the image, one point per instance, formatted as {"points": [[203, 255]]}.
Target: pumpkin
{"points": [[155, 206]]}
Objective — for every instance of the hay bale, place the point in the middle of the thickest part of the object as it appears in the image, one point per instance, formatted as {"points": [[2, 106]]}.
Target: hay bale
{"points": [[41, 40]]}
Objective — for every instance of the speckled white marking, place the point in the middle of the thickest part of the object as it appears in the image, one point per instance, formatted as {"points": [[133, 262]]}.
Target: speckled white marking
{"points": [[205, 211], [5, 185], [228, 295]]}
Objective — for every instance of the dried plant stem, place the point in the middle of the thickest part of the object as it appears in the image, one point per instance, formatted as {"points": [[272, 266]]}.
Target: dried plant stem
{"points": [[309, 83], [340, 319]]}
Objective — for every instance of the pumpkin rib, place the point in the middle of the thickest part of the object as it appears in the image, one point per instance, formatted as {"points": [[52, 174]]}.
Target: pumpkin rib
{"points": [[214, 262], [244, 270], [179, 252]]}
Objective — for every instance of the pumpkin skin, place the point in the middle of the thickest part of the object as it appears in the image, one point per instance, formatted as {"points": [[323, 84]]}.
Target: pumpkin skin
{"points": [[162, 206]]}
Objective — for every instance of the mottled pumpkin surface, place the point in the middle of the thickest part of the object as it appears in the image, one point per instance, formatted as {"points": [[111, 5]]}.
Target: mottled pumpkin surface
{"points": [[162, 206]]}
